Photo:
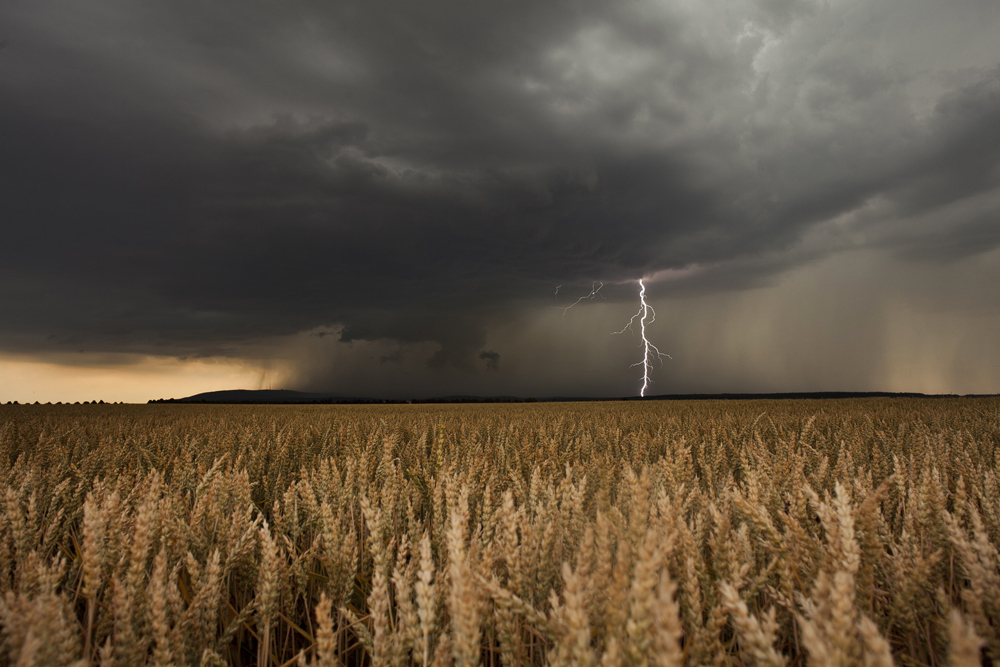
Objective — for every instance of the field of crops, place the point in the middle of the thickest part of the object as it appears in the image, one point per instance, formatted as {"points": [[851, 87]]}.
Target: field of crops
{"points": [[853, 532]]}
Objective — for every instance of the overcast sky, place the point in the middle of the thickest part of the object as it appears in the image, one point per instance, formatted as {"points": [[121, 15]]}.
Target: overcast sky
{"points": [[399, 198]]}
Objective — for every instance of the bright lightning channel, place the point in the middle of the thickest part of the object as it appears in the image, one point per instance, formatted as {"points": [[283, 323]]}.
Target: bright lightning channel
{"points": [[645, 311], [595, 287]]}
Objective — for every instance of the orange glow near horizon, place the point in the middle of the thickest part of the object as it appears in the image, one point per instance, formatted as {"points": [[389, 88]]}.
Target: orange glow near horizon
{"points": [[144, 378]]}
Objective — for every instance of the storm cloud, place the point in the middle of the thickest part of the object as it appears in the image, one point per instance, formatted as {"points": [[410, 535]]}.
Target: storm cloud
{"points": [[386, 194]]}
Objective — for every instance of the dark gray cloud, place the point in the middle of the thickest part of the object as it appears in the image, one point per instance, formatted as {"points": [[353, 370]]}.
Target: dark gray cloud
{"points": [[491, 358], [191, 179]]}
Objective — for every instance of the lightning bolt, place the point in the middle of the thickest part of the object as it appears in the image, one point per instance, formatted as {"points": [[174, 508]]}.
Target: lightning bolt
{"points": [[594, 289], [645, 311]]}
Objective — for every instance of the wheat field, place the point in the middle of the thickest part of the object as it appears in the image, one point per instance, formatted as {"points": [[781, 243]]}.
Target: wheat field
{"points": [[829, 533]]}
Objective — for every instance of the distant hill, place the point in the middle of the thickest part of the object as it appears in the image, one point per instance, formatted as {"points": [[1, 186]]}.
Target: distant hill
{"points": [[257, 396], [279, 396], [288, 396]]}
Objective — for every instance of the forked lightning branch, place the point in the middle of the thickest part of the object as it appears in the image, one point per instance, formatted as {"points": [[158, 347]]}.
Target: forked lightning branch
{"points": [[650, 351], [645, 316]]}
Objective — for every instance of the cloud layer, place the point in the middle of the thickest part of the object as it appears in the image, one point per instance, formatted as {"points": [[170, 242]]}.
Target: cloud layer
{"points": [[242, 179]]}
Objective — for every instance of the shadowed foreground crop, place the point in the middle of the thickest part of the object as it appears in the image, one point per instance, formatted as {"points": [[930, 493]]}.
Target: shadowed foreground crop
{"points": [[857, 532]]}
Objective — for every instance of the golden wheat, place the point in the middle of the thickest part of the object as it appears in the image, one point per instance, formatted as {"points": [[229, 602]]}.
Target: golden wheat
{"points": [[855, 533]]}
